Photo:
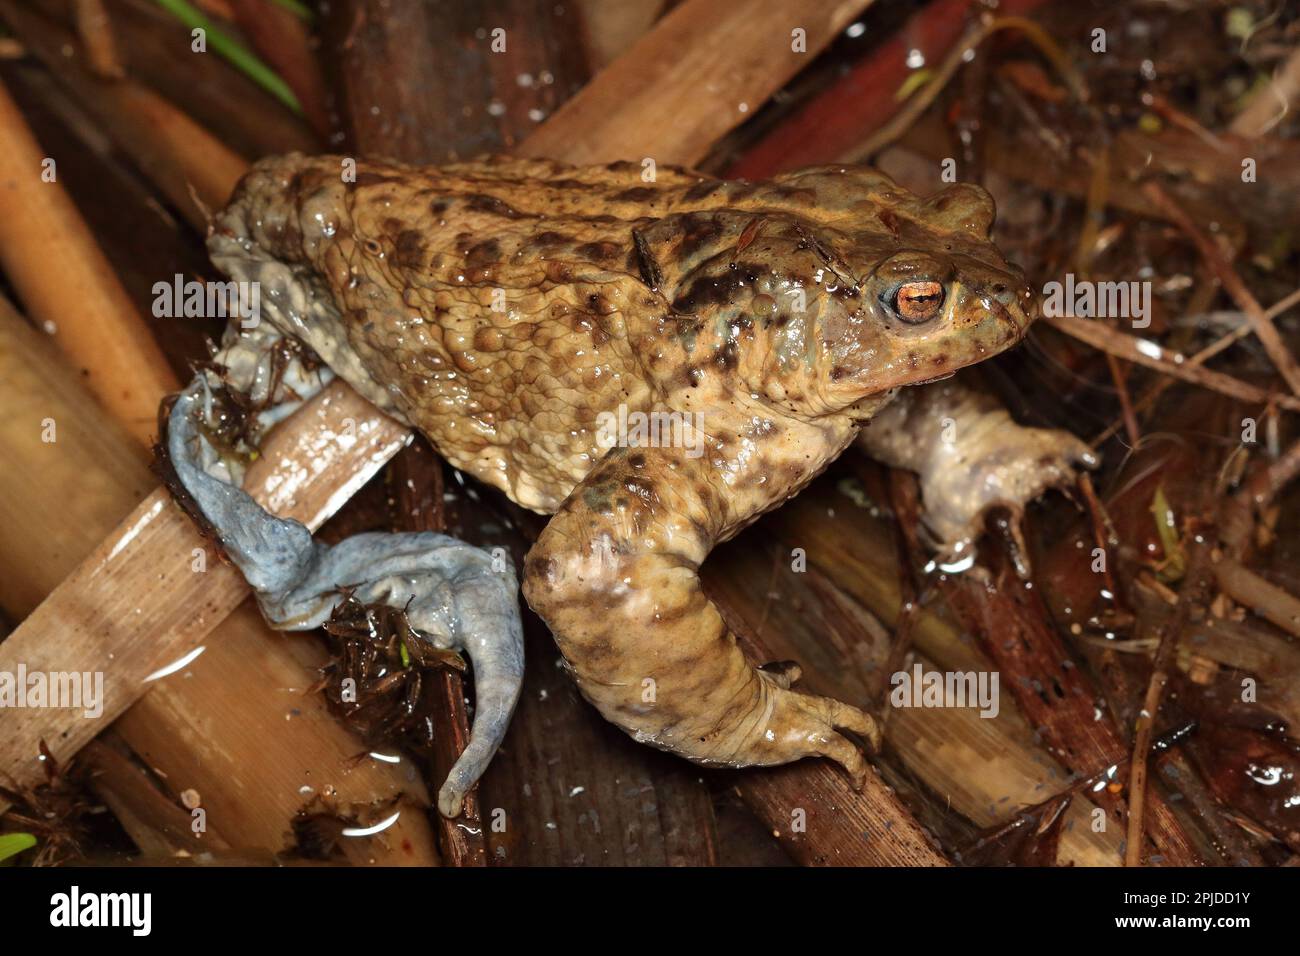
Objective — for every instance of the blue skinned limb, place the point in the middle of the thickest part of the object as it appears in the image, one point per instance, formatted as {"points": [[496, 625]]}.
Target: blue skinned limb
{"points": [[455, 595]]}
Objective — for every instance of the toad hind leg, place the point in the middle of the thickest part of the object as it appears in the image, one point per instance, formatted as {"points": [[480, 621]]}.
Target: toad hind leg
{"points": [[456, 596], [614, 574]]}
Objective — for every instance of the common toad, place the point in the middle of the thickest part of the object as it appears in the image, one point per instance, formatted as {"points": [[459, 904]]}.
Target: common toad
{"points": [[656, 364]]}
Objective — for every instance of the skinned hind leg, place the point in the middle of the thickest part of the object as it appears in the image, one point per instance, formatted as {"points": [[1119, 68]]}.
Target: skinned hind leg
{"points": [[454, 595]]}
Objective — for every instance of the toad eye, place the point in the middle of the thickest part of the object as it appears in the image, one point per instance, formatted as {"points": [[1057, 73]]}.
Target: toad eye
{"points": [[917, 302]]}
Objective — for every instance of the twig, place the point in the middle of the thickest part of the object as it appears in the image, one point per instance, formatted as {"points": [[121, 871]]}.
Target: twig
{"points": [[96, 35], [1098, 191], [1268, 335], [1201, 357], [649, 102], [1170, 634], [1145, 352], [1280, 474], [68, 286], [1237, 334], [156, 824], [852, 106], [1179, 773], [216, 95], [1127, 414], [178, 155], [905, 497], [1171, 114], [919, 103], [1237, 514], [1263, 597], [1270, 105], [416, 484], [1103, 532]]}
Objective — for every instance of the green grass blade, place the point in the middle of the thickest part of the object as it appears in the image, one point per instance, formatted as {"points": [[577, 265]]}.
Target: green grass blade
{"points": [[300, 10], [235, 52], [11, 844]]}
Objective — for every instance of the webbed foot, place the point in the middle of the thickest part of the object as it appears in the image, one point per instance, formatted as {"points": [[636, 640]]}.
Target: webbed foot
{"points": [[790, 725]]}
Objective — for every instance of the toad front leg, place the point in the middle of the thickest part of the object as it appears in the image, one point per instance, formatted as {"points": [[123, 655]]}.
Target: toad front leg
{"points": [[970, 456], [614, 575]]}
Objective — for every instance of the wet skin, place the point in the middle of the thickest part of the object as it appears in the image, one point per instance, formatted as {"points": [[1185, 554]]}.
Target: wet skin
{"points": [[508, 308]]}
